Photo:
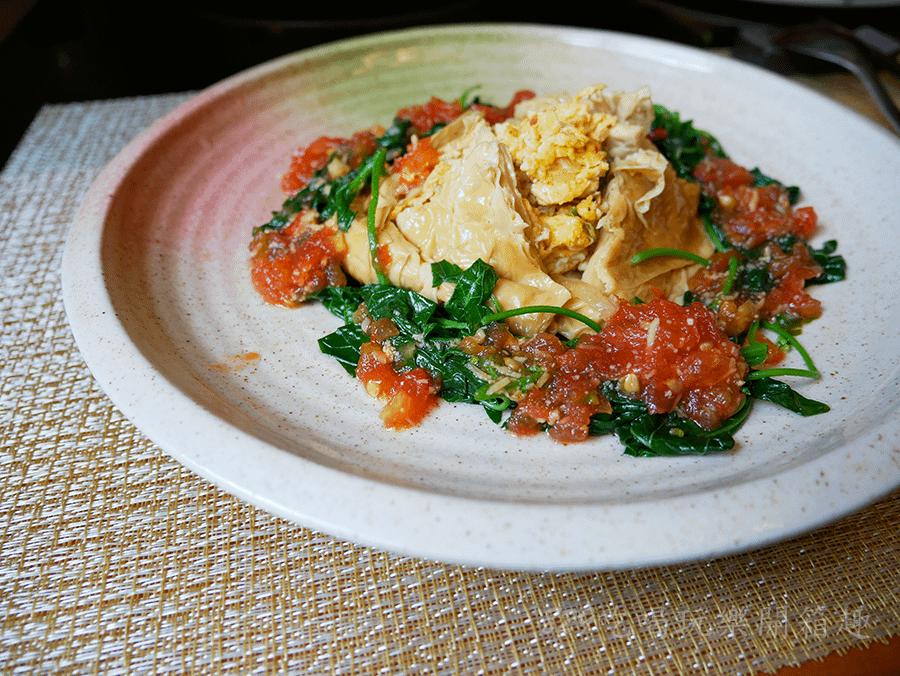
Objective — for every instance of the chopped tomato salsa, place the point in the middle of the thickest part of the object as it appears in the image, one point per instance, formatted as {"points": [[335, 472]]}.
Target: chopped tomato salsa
{"points": [[750, 215], [772, 258], [288, 266], [672, 358], [307, 161], [409, 394], [493, 115], [414, 167], [437, 111]]}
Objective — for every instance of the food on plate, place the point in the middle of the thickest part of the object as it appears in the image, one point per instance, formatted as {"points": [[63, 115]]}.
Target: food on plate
{"points": [[575, 264]]}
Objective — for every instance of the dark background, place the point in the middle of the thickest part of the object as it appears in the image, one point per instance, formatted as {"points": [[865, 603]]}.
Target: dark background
{"points": [[74, 50]]}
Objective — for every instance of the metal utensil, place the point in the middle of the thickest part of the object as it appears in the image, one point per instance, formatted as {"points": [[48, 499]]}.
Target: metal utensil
{"points": [[831, 42]]}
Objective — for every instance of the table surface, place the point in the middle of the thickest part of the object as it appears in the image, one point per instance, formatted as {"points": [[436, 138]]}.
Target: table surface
{"points": [[115, 559]]}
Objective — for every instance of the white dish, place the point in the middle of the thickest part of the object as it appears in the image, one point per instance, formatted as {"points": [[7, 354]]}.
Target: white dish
{"points": [[157, 292]]}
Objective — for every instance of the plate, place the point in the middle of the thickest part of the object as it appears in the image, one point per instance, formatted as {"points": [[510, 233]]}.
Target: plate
{"points": [[155, 280]]}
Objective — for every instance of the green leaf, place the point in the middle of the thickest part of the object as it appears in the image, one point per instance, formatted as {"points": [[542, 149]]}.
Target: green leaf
{"points": [[334, 196], [473, 288], [410, 311], [341, 301], [754, 352], [458, 382], [344, 345], [755, 280], [654, 436], [465, 101], [445, 271], [313, 196], [713, 231], [683, 145], [665, 251], [781, 394], [395, 139], [649, 435], [551, 309]]}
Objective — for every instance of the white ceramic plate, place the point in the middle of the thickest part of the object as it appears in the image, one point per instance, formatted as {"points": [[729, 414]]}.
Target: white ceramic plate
{"points": [[156, 288]]}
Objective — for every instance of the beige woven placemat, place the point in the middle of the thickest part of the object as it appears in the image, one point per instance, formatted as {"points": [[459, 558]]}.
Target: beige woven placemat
{"points": [[116, 560]]}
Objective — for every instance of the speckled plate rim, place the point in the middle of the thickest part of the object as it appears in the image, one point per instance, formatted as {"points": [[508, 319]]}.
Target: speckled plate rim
{"points": [[508, 535]]}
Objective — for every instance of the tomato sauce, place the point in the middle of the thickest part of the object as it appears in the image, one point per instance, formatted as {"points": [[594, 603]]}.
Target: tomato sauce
{"points": [[287, 266], [493, 115], [672, 358], [416, 165], [770, 235], [437, 111], [751, 215], [409, 394]]}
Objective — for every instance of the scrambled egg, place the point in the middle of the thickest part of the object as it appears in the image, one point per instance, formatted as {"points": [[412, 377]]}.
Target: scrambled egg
{"points": [[557, 199], [559, 148]]}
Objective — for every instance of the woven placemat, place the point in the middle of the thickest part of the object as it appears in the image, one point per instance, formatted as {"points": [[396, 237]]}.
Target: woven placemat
{"points": [[115, 559]]}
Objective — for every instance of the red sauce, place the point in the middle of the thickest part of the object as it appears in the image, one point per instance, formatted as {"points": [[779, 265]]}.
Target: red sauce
{"points": [[408, 395], [414, 167], [673, 358], [287, 266], [307, 161], [493, 115], [755, 217], [438, 111], [751, 215], [384, 256]]}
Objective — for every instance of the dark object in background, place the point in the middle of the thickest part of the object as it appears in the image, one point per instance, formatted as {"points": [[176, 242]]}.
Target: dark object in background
{"points": [[65, 50], [76, 50]]}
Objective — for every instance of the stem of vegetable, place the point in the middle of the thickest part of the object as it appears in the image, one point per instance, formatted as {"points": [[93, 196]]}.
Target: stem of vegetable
{"points": [[528, 309], [772, 373], [677, 253], [754, 352], [380, 155], [464, 97], [732, 274], [793, 342]]}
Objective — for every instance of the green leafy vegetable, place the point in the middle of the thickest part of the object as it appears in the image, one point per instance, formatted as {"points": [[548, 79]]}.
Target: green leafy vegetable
{"points": [[344, 345], [777, 392], [396, 139], [377, 165], [713, 231], [552, 309], [464, 101], [834, 267], [341, 301], [768, 373], [789, 339], [731, 276], [682, 144], [652, 435], [473, 288], [445, 271], [756, 279], [334, 196]]}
